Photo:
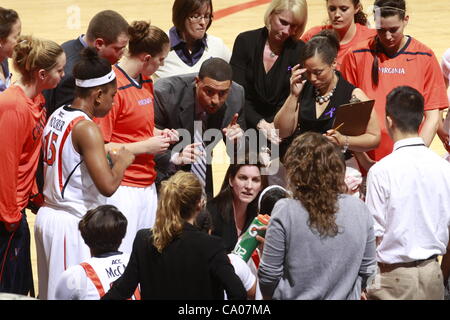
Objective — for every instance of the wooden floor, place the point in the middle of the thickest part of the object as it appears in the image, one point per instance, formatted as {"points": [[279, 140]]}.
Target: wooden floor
{"points": [[61, 20]]}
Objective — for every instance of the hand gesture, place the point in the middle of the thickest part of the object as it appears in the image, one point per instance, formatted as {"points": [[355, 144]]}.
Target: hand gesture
{"points": [[188, 156], [157, 144], [297, 80], [261, 239], [171, 134], [335, 137], [268, 129], [233, 131]]}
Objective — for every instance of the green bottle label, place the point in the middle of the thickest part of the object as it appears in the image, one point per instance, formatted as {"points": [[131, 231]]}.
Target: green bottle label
{"points": [[248, 243]]}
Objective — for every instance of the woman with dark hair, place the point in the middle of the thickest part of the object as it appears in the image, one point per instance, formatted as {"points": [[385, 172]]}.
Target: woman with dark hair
{"points": [[131, 124], [76, 170], [317, 90], [40, 64], [391, 59], [10, 28], [236, 205], [348, 20], [262, 60], [190, 45], [269, 197], [320, 244], [174, 259]]}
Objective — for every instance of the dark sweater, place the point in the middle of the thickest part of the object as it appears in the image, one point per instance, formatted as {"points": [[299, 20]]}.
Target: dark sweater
{"points": [[193, 266]]}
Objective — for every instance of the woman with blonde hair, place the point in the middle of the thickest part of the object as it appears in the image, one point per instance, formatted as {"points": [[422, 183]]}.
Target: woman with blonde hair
{"points": [[262, 60], [40, 64], [320, 244], [175, 260]]}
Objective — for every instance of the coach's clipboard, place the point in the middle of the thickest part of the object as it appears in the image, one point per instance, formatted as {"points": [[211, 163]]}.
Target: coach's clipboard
{"points": [[354, 117]]}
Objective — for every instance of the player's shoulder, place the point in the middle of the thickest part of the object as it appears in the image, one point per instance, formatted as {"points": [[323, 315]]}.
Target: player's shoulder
{"points": [[364, 46], [313, 31], [418, 48]]}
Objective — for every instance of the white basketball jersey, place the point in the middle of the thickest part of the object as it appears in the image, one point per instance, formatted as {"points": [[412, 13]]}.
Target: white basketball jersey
{"points": [[91, 279], [68, 185], [102, 272]]}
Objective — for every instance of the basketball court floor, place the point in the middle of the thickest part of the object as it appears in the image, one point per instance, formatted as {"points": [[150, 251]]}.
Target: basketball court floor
{"points": [[62, 20]]}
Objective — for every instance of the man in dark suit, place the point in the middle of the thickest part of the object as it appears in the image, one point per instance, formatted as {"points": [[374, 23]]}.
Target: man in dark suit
{"points": [[210, 99]]}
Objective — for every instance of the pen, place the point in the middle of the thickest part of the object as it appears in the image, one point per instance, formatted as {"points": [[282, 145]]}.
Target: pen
{"points": [[336, 129]]}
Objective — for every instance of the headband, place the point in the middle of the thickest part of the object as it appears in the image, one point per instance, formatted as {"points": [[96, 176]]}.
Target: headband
{"points": [[275, 186], [376, 8], [94, 82]]}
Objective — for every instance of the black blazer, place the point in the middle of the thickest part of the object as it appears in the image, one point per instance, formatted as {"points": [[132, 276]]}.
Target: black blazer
{"points": [[175, 108], [193, 266], [226, 228], [265, 93]]}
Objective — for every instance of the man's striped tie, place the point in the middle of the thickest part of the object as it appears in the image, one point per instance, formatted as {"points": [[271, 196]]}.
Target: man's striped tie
{"points": [[199, 166]]}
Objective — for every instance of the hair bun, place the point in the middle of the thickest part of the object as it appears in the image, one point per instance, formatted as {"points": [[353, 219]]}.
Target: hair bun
{"points": [[332, 37], [90, 53], [25, 52], [139, 30]]}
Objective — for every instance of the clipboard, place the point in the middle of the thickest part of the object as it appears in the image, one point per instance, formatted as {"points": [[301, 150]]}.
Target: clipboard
{"points": [[354, 117]]}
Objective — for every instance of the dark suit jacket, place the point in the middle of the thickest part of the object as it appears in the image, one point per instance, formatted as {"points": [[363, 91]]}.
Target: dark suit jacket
{"points": [[265, 93], [64, 92], [175, 108], [193, 266]]}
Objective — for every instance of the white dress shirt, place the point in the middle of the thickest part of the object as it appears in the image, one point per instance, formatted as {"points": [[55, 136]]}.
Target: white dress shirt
{"points": [[408, 194]]}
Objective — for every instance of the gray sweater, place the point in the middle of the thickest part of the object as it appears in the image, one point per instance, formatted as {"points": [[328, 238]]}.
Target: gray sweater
{"points": [[298, 264]]}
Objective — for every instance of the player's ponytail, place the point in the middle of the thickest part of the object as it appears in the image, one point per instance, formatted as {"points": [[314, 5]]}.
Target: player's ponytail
{"points": [[360, 16], [178, 201], [146, 38], [33, 54], [91, 66]]}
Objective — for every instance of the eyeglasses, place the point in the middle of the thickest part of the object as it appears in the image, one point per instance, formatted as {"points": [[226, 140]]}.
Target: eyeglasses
{"points": [[197, 18]]}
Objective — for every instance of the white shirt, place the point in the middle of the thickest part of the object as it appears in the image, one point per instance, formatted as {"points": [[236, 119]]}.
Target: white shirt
{"points": [[244, 273], [76, 284], [408, 194], [173, 65]]}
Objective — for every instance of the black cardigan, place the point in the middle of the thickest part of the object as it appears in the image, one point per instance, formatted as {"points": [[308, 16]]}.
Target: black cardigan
{"points": [[193, 266], [264, 93]]}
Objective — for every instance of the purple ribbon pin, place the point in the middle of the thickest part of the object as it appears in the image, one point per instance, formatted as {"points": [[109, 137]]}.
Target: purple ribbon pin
{"points": [[331, 112]]}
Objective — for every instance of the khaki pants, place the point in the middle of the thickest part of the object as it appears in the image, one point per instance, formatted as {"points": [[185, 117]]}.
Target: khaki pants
{"points": [[421, 282]]}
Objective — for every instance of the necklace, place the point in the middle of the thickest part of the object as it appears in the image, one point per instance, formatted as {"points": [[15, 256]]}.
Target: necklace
{"points": [[325, 98], [272, 54]]}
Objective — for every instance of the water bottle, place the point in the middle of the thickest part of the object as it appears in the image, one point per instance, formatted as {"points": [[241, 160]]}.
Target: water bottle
{"points": [[247, 243]]}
